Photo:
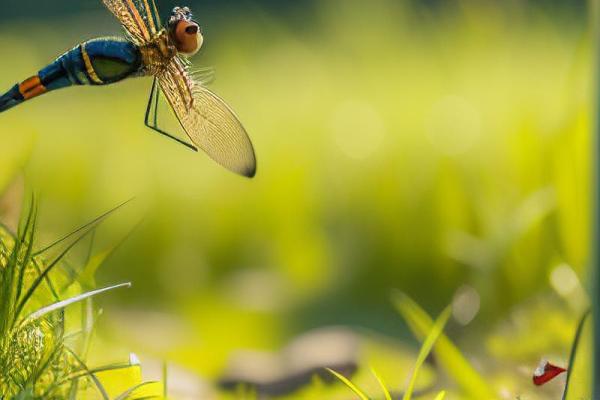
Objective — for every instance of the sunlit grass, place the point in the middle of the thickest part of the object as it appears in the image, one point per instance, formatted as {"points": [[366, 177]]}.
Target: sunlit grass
{"points": [[41, 355], [410, 312], [434, 333], [450, 357], [425, 350]]}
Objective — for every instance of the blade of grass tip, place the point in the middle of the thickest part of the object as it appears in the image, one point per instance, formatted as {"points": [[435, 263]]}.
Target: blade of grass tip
{"points": [[573, 354], [23, 227], [87, 226], [86, 277], [426, 348], [382, 384], [125, 395], [15, 271], [65, 303], [448, 355], [40, 279], [23, 232], [28, 238], [440, 395], [350, 385]]}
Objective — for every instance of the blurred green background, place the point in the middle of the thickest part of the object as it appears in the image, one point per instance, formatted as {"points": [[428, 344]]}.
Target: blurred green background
{"points": [[439, 148]]}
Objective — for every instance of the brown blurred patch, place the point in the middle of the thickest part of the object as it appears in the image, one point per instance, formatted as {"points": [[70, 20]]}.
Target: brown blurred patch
{"points": [[11, 203], [295, 366]]}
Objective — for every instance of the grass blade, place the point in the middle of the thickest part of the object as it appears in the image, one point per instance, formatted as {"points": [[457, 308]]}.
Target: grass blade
{"points": [[386, 392], [92, 371], [87, 227], [85, 372], [579, 368], [573, 354], [90, 374], [27, 238], [450, 358], [432, 337], [86, 277], [350, 385], [125, 395], [65, 303], [42, 277]]}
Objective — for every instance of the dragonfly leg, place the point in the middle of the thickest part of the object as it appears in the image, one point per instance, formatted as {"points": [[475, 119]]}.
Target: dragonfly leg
{"points": [[156, 98], [152, 123]]}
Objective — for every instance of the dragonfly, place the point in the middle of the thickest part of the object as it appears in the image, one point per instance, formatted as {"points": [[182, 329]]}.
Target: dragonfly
{"points": [[162, 52]]}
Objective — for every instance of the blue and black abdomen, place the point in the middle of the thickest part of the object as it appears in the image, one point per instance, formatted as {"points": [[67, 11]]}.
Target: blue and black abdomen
{"points": [[95, 62]]}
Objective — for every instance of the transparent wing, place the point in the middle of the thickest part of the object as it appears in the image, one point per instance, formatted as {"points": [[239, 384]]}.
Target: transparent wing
{"points": [[208, 121], [203, 76], [139, 18]]}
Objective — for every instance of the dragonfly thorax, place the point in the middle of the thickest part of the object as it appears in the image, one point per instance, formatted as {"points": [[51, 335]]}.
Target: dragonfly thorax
{"points": [[157, 53]]}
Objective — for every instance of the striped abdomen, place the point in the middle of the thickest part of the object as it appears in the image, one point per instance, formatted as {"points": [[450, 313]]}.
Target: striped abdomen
{"points": [[96, 62]]}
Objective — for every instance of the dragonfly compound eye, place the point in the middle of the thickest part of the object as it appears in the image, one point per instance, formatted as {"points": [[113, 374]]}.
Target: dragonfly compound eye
{"points": [[187, 37]]}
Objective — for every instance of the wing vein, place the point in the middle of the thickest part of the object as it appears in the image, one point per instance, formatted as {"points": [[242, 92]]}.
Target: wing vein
{"points": [[207, 120], [153, 26], [138, 19]]}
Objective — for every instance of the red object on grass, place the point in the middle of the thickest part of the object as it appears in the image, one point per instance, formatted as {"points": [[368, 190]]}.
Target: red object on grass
{"points": [[545, 372]]}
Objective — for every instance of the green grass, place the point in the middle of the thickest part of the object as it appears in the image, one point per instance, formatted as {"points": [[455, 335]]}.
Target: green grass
{"points": [[39, 357], [579, 374], [431, 338], [451, 359], [408, 310]]}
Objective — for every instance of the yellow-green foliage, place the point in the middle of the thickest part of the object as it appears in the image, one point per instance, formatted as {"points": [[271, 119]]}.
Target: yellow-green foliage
{"points": [[41, 355]]}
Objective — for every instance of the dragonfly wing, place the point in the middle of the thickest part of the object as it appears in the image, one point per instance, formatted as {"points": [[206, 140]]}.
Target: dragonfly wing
{"points": [[210, 124], [150, 14], [138, 17], [203, 76]]}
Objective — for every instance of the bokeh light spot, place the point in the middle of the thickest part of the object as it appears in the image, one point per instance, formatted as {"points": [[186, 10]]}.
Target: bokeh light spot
{"points": [[454, 125], [563, 279], [358, 129], [465, 305]]}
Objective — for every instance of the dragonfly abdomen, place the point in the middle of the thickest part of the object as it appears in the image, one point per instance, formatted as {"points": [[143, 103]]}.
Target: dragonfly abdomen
{"points": [[96, 62]]}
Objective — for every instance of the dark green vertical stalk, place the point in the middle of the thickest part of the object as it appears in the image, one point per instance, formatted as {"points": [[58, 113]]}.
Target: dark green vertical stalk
{"points": [[595, 239]]}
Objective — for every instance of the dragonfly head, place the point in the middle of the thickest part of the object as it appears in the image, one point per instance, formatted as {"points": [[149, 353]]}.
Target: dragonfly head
{"points": [[185, 32]]}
